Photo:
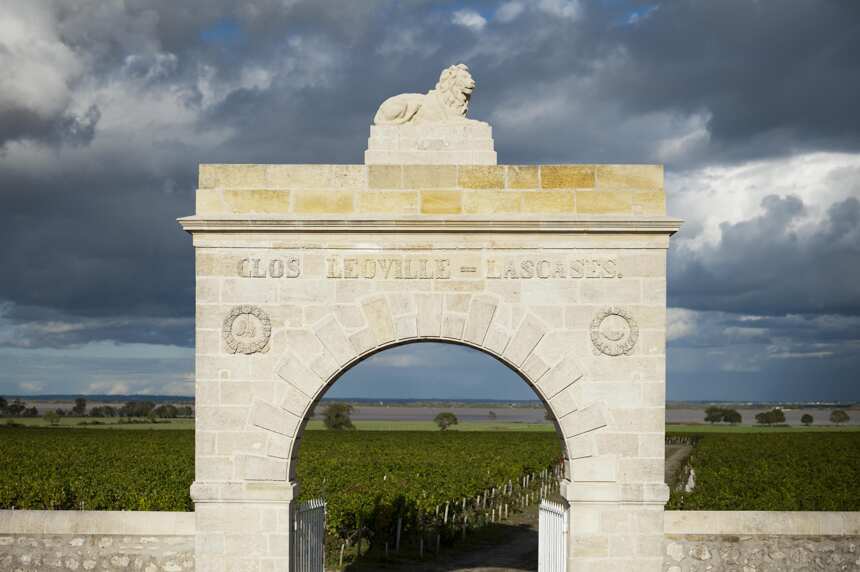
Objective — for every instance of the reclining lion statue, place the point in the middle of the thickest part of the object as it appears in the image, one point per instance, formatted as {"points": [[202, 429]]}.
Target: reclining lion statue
{"points": [[448, 102]]}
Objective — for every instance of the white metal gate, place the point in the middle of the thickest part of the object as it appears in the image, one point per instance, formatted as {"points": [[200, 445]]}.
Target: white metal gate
{"points": [[552, 537], [309, 536]]}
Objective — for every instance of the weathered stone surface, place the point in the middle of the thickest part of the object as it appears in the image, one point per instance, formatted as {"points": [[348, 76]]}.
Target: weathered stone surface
{"points": [[761, 553]]}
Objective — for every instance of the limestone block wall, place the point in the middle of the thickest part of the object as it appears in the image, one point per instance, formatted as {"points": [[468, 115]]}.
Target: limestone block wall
{"points": [[761, 541], [48, 541]]}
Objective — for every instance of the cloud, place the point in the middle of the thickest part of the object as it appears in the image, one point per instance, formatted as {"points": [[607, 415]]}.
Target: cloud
{"points": [[509, 11], [38, 80], [469, 19], [106, 108]]}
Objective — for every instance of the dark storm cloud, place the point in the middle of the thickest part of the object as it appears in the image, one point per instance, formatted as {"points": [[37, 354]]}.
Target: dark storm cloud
{"points": [[767, 265], [777, 76], [87, 221]]}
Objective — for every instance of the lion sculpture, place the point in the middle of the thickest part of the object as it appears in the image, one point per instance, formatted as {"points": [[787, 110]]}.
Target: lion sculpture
{"points": [[448, 102]]}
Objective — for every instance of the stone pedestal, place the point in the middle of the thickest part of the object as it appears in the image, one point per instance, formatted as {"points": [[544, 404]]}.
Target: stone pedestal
{"points": [[465, 142], [558, 271]]}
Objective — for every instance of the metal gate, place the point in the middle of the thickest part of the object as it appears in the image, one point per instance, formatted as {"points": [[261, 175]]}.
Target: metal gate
{"points": [[309, 536], [552, 537]]}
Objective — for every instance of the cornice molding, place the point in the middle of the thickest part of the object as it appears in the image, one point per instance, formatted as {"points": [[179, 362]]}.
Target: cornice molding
{"points": [[578, 224]]}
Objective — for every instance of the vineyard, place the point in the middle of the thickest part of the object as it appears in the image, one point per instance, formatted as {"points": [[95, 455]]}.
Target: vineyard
{"points": [[422, 489], [778, 471], [389, 485], [96, 470]]}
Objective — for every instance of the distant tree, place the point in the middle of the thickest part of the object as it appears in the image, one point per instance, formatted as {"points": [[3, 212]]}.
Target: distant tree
{"points": [[806, 419], [61, 412], [80, 408], [30, 412], [336, 416], [770, 417], [776, 415], [137, 409], [732, 416], [103, 411], [185, 411], [714, 414], [165, 411], [492, 415], [3, 405], [52, 418], [445, 420], [839, 417], [16, 408], [548, 415]]}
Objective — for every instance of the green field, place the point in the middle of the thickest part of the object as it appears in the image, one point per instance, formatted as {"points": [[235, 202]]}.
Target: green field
{"points": [[781, 471]]}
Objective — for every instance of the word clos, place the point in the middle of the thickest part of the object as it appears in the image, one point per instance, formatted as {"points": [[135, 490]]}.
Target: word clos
{"points": [[289, 267]]}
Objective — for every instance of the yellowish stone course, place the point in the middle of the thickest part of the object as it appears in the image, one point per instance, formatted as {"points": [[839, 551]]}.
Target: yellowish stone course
{"points": [[549, 202], [388, 202], [522, 176], [491, 201], [640, 177], [603, 202], [332, 202], [430, 176], [482, 177], [635, 190], [567, 176], [441, 202], [257, 201]]}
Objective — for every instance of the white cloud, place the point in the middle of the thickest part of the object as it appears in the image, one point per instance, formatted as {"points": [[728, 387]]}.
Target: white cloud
{"points": [[509, 11], [568, 9], [38, 68], [681, 323], [469, 19], [396, 359], [709, 196]]}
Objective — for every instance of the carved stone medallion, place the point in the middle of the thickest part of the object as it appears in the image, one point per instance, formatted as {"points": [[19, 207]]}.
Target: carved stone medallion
{"points": [[247, 330], [614, 332]]}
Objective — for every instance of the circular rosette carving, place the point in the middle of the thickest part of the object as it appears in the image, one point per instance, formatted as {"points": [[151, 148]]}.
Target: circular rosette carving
{"points": [[614, 332], [247, 330]]}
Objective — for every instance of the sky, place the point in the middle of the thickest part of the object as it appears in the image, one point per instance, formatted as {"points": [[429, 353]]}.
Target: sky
{"points": [[107, 107]]}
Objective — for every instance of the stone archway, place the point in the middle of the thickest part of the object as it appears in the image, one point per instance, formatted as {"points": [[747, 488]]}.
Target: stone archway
{"points": [[557, 270]]}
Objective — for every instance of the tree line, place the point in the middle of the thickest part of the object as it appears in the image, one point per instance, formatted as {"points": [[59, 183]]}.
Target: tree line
{"points": [[337, 416], [142, 409], [775, 416]]}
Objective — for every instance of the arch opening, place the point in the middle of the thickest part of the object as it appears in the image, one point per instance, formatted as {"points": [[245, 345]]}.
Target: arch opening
{"points": [[490, 356], [420, 504]]}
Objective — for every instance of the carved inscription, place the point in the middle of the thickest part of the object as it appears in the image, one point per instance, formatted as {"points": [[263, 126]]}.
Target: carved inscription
{"points": [[288, 267], [528, 268], [408, 267], [614, 332], [388, 268], [247, 330]]}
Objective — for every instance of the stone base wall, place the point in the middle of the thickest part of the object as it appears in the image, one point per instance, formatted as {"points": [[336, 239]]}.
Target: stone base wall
{"points": [[53, 552], [761, 553], [751, 541], [48, 541]]}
